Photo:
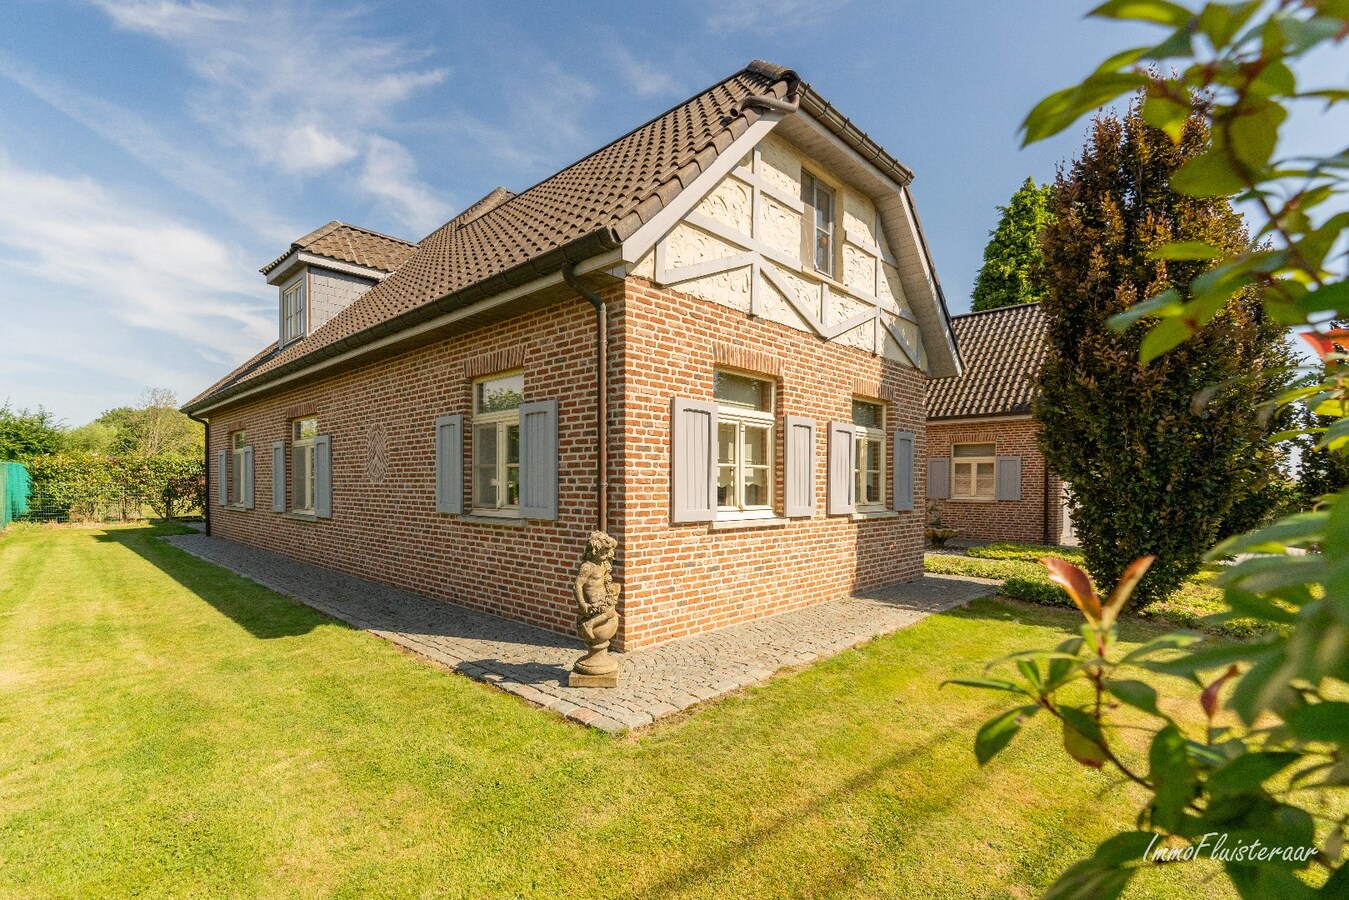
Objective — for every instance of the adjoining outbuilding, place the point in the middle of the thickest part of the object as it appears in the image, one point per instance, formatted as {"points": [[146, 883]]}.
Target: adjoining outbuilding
{"points": [[710, 339], [986, 475]]}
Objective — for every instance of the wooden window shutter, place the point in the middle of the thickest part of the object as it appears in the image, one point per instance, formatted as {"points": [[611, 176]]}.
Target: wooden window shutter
{"points": [[278, 476], [938, 477], [248, 477], [222, 488], [842, 479], [450, 464], [693, 461], [1008, 478], [538, 459], [903, 473], [800, 446], [323, 476]]}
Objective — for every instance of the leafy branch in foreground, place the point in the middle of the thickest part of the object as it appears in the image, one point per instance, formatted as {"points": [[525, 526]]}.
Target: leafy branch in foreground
{"points": [[1272, 763]]}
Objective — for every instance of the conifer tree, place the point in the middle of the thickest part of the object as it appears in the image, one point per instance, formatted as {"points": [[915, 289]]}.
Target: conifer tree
{"points": [[1013, 250], [1156, 455]]}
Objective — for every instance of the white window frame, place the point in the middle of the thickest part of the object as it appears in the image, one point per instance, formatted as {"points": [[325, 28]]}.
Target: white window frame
{"points": [[238, 448], [871, 442], [816, 187], [294, 310], [742, 418], [502, 421], [973, 462], [304, 446]]}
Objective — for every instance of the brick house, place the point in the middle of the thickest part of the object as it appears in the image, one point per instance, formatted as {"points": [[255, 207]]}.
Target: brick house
{"points": [[710, 338], [985, 472]]}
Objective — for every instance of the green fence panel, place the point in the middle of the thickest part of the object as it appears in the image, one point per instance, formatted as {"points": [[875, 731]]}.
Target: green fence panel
{"points": [[15, 488]]}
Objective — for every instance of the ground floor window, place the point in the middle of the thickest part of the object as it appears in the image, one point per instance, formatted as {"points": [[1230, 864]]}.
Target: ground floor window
{"points": [[302, 484], [496, 443], [238, 448], [973, 472], [744, 443], [869, 468]]}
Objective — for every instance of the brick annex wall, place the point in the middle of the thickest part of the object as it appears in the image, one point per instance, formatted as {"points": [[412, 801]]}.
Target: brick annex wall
{"points": [[389, 531], [1001, 520], [683, 579]]}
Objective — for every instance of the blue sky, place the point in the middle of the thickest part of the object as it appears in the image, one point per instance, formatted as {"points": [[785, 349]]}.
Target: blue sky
{"points": [[155, 154]]}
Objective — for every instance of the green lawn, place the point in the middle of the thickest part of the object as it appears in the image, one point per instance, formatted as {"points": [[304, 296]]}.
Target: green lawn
{"points": [[170, 729]]}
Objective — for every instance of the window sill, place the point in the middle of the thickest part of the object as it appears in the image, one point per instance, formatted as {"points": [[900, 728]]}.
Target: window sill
{"points": [[875, 514], [479, 519], [300, 516], [972, 499], [737, 524], [235, 507]]}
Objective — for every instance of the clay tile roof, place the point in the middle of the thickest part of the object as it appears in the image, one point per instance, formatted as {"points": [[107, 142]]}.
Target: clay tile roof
{"points": [[588, 207], [351, 244], [1003, 350]]}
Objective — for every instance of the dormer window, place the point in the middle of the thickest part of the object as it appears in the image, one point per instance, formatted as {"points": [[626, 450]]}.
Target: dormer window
{"points": [[293, 312]]}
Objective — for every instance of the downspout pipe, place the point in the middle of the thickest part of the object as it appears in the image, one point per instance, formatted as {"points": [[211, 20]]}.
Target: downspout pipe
{"points": [[1048, 542], [601, 392], [206, 467]]}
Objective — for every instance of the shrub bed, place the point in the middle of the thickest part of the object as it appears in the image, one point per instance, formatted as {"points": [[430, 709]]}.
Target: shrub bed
{"points": [[1023, 578]]}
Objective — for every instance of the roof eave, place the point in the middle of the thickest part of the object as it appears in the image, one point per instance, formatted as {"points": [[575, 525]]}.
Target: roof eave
{"points": [[577, 251]]}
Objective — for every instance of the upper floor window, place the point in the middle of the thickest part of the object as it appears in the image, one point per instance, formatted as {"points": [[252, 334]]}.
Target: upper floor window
{"points": [[744, 442], [238, 450], [819, 223], [973, 471], [496, 443], [869, 423], [293, 312], [302, 485]]}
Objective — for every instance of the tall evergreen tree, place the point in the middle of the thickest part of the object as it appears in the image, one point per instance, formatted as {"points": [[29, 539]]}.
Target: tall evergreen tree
{"points": [[1013, 250], [1156, 455]]}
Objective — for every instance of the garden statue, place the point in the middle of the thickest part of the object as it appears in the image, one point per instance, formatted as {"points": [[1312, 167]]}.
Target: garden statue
{"points": [[596, 616], [938, 532]]}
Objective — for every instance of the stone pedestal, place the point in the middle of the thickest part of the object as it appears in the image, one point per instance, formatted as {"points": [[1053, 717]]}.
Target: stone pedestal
{"points": [[579, 679]]}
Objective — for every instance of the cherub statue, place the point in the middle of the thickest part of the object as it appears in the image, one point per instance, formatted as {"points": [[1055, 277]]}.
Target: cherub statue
{"points": [[596, 617]]}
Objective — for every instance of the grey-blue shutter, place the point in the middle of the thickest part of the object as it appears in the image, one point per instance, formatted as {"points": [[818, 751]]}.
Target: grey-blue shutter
{"points": [[800, 446], [538, 459], [450, 464], [693, 461], [842, 473], [323, 476], [248, 477], [278, 476], [903, 471], [938, 477], [222, 487], [1008, 478]]}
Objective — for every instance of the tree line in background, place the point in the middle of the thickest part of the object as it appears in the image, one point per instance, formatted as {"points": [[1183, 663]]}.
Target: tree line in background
{"points": [[150, 454]]}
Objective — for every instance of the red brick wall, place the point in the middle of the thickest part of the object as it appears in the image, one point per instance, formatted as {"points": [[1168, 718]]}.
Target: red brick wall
{"points": [[390, 532], [1001, 520], [678, 579], [682, 579]]}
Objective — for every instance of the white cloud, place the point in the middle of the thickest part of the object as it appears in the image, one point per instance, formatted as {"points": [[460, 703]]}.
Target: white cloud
{"points": [[305, 89], [128, 263], [177, 157], [390, 173], [645, 78], [768, 18]]}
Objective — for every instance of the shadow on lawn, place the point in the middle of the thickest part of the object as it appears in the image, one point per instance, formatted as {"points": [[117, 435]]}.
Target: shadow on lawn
{"points": [[320, 593], [243, 601]]}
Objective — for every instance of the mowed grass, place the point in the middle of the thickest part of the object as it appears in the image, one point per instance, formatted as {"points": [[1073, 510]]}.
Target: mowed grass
{"points": [[169, 729]]}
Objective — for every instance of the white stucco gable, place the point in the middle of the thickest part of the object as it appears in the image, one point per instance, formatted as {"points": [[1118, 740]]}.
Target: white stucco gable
{"points": [[736, 239]]}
